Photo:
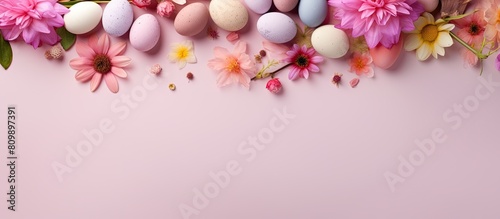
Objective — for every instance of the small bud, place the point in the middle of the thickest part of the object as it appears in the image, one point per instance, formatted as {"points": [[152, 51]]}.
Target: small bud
{"points": [[171, 87], [274, 85], [155, 69]]}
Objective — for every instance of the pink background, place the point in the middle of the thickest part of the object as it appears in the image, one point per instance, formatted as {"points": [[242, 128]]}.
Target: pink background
{"points": [[328, 162]]}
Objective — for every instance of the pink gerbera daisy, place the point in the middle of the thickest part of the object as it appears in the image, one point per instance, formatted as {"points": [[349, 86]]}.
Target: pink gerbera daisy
{"points": [[380, 21], [100, 60], [235, 67], [303, 61]]}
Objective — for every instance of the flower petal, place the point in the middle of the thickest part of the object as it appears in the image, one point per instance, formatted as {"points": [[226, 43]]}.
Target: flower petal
{"points": [[84, 50], [111, 81], [424, 51], [96, 80], [120, 61], [80, 63], [103, 44], [413, 41], [85, 75], [119, 72], [117, 49]]}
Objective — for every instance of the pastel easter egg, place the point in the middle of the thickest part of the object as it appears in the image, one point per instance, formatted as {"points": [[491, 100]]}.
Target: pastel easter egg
{"points": [[259, 6], [192, 19], [383, 57], [276, 27], [429, 5], [330, 41], [145, 32], [313, 12], [117, 17], [82, 17], [285, 5], [230, 15]]}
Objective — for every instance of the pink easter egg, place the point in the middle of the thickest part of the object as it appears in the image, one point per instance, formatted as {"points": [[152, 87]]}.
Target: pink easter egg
{"points": [[383, 57], [192, 19], [429, 5], [285, 5]]}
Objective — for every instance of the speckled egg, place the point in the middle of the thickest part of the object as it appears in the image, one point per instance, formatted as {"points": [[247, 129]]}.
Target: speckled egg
{"points": [[82, 17], [230, 15], [276, 27], [259, 6], [313, 12], [145, 32], [330, 41], [192, 19], [117, 17], [285, 5]]}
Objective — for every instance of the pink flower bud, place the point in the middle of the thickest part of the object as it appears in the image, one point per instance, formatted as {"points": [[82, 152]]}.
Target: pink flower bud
{"points": [[165, 8], [141, 3], [274, 85]]}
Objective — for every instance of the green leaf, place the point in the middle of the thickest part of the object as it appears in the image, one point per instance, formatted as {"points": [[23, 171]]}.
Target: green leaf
{"points": [[67, 38], [5, 53]]}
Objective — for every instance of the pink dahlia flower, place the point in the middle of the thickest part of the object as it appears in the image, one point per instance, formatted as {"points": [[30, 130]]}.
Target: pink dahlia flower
{"points": [[34, 19], [380, 21], [100, 60], [303, 61]]}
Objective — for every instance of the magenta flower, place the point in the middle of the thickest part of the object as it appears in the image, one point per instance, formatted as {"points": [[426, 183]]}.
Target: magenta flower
{"points": [[34, 19], [99, 59], [141, 3], [303, 61], [165, 8], [274, 85], [380, 21]]}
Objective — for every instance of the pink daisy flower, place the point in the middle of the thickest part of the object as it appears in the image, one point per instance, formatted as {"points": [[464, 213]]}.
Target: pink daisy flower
{"points": [[34, 19], [380, 21], [361, 65], [235, 67], [100, 60], [303, 61]]}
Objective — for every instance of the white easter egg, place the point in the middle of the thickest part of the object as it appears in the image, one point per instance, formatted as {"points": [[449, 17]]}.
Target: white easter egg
{"points": [[276, 27], [259, 6], [145, 32], [330, 41], [82, 17], [117, 17], [230, 15]]}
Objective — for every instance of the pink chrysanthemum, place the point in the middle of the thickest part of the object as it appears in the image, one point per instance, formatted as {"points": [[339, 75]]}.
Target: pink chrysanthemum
{"points": [[235, 67], [303, 61], [380, 21], [34, 19], [100, 60]]}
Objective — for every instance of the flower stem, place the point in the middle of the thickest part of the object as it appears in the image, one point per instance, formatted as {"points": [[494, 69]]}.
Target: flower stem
{"points": [[265, 75], [479, 54]]}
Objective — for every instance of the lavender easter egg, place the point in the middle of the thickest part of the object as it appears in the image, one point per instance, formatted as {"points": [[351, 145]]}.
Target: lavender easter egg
{"points": [[285, 5], [276, 27], [429, 5], [192, 19], [145, 32], [383, 57], [313, 12], [259, 6], [117, 17]]}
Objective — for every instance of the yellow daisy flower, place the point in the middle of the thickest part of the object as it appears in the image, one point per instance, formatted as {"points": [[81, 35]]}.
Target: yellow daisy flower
{"points": [[182, 53], [429, 37]]}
